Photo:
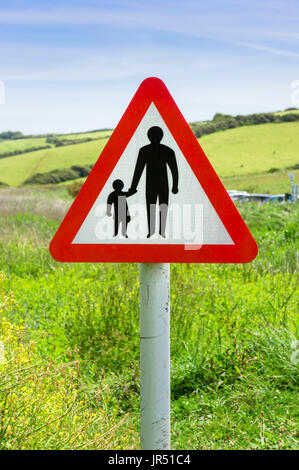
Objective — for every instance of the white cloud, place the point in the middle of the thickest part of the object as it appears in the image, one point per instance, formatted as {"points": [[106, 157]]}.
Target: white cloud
{"points": [[221, 24]]}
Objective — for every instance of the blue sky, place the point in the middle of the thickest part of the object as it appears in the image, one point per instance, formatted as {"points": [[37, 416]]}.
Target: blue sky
{"points": [[74, 65]]}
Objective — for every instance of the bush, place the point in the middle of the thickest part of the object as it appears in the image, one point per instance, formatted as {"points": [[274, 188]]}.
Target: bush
{"points": [[222, 122], [11, 135], [59, 142], [290, 117], [293, 167], [73, 189], [58, 176], [18, 152], [52, 177], [273, 170], [82, 171]]}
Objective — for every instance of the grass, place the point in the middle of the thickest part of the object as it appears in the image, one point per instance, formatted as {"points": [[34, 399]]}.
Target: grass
{"points": [[43, 405], [34, 201], [277, 182], [234, 385], [263, 183], [10, 145], [291, 111], [15, 170], [242, 152], [21, 144], [252, 149], [101, 134]]}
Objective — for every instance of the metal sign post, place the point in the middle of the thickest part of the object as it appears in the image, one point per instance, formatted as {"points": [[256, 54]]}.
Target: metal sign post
{"points": [[154, 356]]}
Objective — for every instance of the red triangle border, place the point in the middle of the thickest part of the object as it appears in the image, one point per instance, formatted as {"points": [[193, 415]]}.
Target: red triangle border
{"points": [[153, 90]]}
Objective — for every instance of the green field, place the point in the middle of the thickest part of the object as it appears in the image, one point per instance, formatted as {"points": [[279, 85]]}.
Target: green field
{"points": [[15, 170], [283, 113], [253, 149], [238, 156], [262, 183], [71, 339], [92, 135], [21, 144]]}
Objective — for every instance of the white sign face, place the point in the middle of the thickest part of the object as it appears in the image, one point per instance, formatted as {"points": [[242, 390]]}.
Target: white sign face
{"points": [[175, 212]]}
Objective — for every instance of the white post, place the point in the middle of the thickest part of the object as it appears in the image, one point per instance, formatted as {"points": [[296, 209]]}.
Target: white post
{"points": [[154, 357]]}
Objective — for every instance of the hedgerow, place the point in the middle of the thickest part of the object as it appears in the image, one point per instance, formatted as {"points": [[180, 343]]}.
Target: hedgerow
{"points": [[58, 176]]}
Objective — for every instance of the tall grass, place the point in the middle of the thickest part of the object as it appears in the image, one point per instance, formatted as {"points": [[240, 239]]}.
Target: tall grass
{"points": [[22, 201], [234, 384]]}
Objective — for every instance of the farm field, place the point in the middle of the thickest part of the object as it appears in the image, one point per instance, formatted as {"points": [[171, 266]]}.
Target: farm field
{"points": [[240, 152], [252, 149], [287, 111], [70, 378], [15, 170], [101, 134], [12, 145], [262, 183]]}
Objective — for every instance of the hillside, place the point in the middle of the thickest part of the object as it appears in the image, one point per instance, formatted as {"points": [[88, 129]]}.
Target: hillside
{"points": [[253, 149], [15, 170], [251, 157]]}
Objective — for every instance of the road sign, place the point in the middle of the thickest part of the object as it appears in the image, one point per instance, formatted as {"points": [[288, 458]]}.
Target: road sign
{"points": [[153, 196]]}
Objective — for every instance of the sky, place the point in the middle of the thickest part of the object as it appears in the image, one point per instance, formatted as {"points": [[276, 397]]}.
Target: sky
{"points": [[74, 65]]}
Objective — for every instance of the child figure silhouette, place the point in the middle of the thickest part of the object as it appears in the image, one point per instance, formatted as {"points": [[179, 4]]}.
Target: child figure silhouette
{"points": [[118, 199]]}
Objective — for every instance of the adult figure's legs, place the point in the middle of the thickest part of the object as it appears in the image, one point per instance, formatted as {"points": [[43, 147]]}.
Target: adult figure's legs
{"points": [[163, 209], [151, 201], [124, 228]]}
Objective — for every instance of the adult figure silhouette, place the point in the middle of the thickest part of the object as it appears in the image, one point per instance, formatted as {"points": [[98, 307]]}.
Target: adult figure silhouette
{"points": [[156, 157]]}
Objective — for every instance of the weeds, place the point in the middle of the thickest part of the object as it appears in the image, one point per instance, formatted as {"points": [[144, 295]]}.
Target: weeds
{"points": [[232, 326]]}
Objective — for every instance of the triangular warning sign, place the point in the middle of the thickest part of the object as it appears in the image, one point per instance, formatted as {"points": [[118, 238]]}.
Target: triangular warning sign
{"points": [[153, 196]]}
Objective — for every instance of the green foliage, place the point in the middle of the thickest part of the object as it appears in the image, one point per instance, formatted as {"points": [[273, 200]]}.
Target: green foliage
{"points": [[74, 188], [58, 176], [42, 405], [251, 150], [293, 167], [289, 117], [276, 182], [15, 146], [233, 382], [222, 122], [273, 170], [82, 171], [15, 170], [8, 135], [245, 148], [59, 142], [29, 149]]}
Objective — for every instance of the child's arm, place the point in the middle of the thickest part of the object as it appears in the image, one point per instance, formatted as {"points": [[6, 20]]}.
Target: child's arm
{"points": [[129, 193], [109, 205]]}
